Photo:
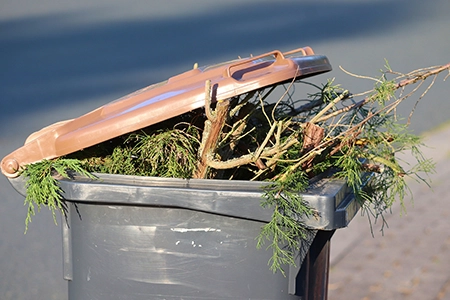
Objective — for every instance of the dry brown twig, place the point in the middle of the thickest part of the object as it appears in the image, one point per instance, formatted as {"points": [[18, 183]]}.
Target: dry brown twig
{"points": [[267, 154]]}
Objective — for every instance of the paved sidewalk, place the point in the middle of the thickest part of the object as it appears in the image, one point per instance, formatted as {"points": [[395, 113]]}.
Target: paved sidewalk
{"points": [[412, 259]]}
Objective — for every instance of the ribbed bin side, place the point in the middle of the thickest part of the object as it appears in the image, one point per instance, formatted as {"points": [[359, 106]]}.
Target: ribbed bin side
{"points": [[130, 252]]}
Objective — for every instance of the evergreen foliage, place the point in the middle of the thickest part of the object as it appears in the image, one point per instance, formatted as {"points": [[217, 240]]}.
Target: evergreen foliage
{"points": [[43, 188], [163, 153]]}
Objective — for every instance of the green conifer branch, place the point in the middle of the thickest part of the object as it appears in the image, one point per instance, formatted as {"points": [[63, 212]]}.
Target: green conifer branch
{"points": [[43, 188]]}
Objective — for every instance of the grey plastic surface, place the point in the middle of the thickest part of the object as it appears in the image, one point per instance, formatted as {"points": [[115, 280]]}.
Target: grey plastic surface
{"points": [[132, 237], [330, 197], [129, 252]]}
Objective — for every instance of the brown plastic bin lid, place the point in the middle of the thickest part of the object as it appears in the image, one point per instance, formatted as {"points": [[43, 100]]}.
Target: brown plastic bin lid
{"points": [[161, 101]]}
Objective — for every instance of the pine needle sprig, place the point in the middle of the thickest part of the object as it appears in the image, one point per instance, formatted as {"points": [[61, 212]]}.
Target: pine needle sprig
{"points": [[43, 188], [120, 161], [286, 230], [166, 153]]}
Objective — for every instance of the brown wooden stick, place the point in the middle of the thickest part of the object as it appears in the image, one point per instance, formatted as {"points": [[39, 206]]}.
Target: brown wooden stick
{"points": [[212, 132], [251, 158]]}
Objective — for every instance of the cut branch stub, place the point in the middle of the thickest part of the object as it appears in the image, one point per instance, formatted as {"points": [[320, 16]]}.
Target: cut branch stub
{"points": [[312, 136], [213, 127]]}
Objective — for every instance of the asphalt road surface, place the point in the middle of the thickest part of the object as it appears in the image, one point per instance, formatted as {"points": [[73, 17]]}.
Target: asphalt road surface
{"points": [[60, 59]]}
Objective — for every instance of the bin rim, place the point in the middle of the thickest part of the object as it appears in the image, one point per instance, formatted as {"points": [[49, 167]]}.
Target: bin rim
{"points": [[331, 197]]}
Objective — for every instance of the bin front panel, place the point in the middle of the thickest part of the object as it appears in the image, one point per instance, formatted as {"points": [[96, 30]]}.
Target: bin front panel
{"points": [[129, 252]]}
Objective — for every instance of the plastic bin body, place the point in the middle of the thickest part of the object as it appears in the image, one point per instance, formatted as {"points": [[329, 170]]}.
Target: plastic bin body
{"points": [[129, 237]]}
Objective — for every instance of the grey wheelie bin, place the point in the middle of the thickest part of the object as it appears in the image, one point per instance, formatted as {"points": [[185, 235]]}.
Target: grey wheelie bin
{"points": [[132, 237]]}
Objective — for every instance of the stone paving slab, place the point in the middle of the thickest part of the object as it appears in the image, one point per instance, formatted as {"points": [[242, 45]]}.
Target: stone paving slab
{"points": [[411, 260]]}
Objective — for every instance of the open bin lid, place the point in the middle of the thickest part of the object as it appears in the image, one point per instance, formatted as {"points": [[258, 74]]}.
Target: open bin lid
{"points": [[158, 102]]}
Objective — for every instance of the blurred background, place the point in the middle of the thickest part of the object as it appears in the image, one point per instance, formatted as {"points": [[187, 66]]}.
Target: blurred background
{"points": [[61, 59]]}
